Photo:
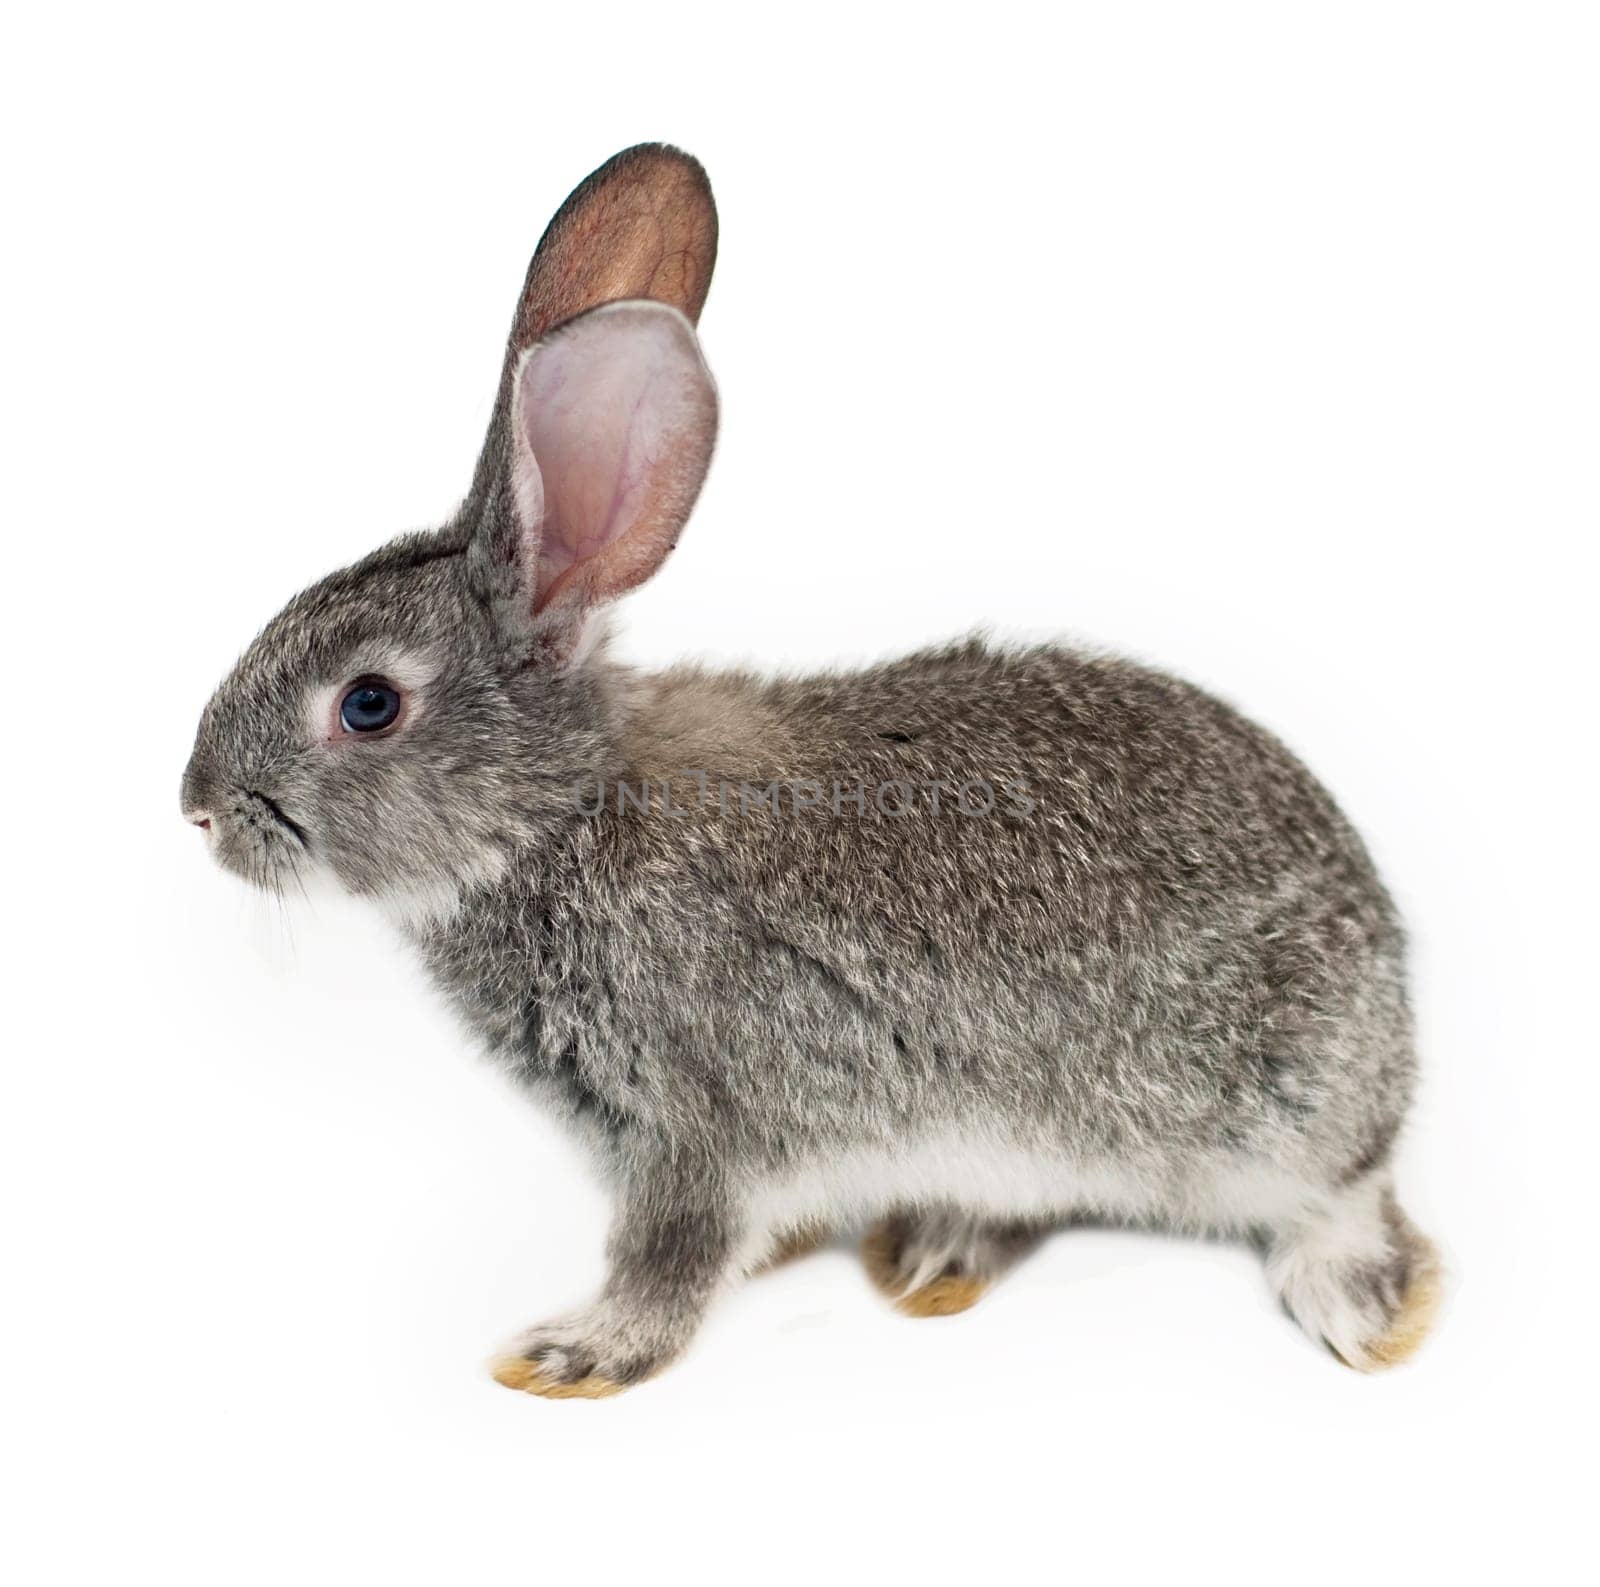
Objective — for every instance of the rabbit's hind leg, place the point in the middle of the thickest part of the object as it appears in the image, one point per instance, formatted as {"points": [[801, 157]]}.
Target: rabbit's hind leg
{"points": [[1357, 1274], [935, 1262]]}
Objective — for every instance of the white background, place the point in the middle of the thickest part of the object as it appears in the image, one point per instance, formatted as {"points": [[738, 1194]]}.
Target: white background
{"points": [[1256, 340]]}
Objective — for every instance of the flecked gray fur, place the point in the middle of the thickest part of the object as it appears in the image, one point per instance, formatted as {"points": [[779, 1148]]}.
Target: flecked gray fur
{"points": [[1174, 981]]}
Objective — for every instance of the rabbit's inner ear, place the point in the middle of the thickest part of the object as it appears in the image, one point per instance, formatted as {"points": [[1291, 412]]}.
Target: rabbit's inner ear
{"points": [[614, 418]]}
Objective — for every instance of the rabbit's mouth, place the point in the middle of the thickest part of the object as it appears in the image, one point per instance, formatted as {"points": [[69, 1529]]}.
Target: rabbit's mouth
{"points": [[253, 836]]}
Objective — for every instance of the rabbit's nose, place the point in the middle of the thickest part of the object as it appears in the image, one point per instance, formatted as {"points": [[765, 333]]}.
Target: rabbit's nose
{"points": [[200, 819]]}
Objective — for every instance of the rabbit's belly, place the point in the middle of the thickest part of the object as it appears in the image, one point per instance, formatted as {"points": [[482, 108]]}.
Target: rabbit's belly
{"points": [[1005, 1180]]}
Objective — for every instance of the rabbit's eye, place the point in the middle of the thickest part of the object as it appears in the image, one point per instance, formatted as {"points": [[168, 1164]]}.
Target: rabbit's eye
{"points": [[370, 706]]}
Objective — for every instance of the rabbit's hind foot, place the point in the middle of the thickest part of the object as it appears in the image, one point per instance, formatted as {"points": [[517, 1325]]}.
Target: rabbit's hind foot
{"points": [[1359, 1276], [935, 1263]]}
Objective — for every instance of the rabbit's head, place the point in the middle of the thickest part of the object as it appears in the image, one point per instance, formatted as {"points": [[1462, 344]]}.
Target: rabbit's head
{"points": [[408, 721]]}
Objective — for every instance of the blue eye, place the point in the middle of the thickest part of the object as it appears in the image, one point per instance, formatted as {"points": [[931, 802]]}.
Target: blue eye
{"points": [[370, 706]]}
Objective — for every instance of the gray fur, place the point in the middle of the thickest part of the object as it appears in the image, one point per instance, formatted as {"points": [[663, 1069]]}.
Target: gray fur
{"points": [[1174, 986]]}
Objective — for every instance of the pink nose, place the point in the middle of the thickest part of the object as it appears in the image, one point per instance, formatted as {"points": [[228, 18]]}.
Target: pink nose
{"points": [[203, 822]]}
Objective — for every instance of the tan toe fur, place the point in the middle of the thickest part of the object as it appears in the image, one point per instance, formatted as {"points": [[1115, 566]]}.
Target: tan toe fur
{"points": [[940, 1297], [1412, 1323], [518, 1373]]}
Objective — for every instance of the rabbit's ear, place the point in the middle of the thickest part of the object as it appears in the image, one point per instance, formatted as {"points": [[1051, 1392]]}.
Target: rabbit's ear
{"points": [[642, 226], [613, 418]]}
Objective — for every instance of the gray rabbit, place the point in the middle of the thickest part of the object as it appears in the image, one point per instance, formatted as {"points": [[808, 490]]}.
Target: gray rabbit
{"points": [[970, 943]]}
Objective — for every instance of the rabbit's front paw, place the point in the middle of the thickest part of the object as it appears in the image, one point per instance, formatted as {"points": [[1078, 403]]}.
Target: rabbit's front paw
{"points": [[589, 1356]]}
